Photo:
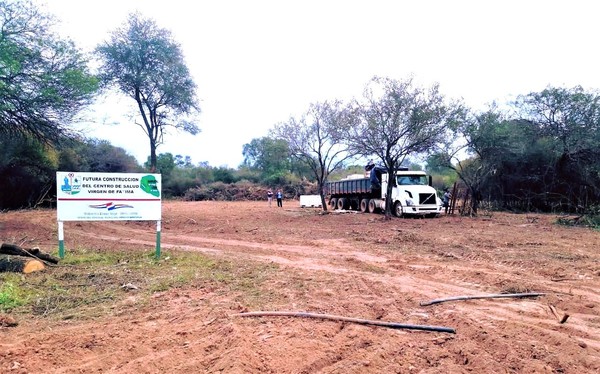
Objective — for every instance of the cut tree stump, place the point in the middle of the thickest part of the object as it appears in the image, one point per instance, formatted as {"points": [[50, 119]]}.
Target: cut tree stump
{"points": [[18, 264]]}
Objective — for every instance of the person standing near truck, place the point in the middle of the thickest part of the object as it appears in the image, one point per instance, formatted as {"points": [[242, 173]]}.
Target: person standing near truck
{"points": [[446, 200], [269, 196], [279, 198]]}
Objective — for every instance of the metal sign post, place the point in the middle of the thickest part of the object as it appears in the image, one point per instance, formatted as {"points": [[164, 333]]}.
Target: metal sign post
{"points": [[157, 239]]}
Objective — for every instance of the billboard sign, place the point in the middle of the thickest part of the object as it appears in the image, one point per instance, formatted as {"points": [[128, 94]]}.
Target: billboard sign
{"points": [[108, 196]]}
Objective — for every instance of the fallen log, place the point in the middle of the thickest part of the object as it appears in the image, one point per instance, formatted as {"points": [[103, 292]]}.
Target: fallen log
{"points": [[15, 250], [18, 264], [392, 325], [492, 296]]}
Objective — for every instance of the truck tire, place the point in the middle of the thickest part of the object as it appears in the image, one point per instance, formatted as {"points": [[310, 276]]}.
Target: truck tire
{"points": [[371, 206], [342, 203], [398, 209], [333, 203], [364, 205]]}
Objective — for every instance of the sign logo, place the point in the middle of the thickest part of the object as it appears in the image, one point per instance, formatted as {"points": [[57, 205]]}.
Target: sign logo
{"points": [[71, 184], [149, 184]]}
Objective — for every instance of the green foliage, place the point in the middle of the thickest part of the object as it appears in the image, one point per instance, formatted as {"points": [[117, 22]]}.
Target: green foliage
{"points": [[249, 174], [221, 191], [545, 159], [442, 175], [95, 155], [145, 63], [225, 175], [178, 177], [270, 157], [28, 167], [10, 296], [27, 172], [44, 80], [165, 163], [591, 218]]}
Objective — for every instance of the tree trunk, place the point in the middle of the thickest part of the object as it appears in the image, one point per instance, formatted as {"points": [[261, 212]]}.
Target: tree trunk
{"points": [[152, 155], [322, 193], [388, 194], [20, 264]]}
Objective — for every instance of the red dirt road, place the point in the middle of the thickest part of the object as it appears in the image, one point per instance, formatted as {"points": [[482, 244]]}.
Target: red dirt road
{"points": [[352, 265]]}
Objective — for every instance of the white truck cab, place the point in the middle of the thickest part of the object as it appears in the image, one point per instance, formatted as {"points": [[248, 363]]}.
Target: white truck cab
{"points": [[412, 195]]}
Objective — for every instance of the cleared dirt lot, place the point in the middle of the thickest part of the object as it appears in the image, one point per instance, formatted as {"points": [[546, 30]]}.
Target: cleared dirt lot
{"points": [[349, 264]]}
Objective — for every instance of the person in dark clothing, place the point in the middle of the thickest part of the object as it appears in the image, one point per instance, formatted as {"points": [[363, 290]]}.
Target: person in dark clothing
{"points": [[279, 198], [446, 200]]}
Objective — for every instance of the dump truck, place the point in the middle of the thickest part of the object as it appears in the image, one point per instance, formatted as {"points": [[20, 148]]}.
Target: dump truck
{"points": [[412, 193]]}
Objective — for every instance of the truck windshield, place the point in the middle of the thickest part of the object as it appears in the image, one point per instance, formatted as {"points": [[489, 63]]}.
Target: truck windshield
{"points": [[406, 180]]}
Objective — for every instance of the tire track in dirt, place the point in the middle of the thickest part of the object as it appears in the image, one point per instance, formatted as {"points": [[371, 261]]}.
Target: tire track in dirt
{"points": [[333, 259]]}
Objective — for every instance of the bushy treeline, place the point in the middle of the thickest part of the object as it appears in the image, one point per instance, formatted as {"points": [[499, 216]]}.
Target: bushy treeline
{"points": [[28, 173], [542, 154], [537, 172], [28, 167]]}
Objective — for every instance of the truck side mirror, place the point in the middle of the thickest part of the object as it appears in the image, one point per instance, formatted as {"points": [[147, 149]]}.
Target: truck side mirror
{"points": [[430, 180]]}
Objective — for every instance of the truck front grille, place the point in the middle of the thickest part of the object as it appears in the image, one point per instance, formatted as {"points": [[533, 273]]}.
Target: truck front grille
{"points": [[426, 198]]}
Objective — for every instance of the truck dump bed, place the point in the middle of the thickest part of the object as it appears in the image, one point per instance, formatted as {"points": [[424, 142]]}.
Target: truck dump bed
{"points": [[349, 187]]}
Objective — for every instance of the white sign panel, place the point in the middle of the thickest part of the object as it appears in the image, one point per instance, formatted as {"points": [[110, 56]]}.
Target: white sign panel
{"points": [[108, 196]]}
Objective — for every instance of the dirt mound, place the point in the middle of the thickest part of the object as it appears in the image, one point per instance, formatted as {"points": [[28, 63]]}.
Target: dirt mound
{"points": [[245, 191]]}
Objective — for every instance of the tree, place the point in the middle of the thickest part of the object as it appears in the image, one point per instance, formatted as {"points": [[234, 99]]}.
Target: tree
{"points": [[144, 62], [27, 172], [271, 157], [183, 161], [315, 140], [569, 116], [44, 80], [95, 155], [568, 120], [165, 163], [398, 119]]}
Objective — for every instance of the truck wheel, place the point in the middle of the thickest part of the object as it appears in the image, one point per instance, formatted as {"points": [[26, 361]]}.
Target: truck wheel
{"points": [[341, 203], [333, 203], [371, 206], [398, 209], [364, 204]]}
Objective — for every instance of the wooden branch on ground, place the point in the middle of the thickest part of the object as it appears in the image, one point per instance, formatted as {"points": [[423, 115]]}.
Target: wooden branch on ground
{"points": [[492, 296], [15, 250], [392, 325], [563, 279], [561, 319], [19, 264]]}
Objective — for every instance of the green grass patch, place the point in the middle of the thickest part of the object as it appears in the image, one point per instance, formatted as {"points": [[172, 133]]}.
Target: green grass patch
{"points": [[590, 219], [10, 295], [89, 283]]}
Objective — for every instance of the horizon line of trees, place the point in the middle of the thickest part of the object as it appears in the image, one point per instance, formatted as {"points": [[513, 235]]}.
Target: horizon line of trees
{"points": [[539, 153]]}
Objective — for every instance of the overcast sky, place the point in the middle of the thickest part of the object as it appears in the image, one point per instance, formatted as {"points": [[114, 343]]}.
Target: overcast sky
{"points": [[256, 63]]}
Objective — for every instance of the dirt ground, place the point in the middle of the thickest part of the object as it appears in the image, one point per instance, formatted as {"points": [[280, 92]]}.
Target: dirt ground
{"points": [[344, 264]]}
